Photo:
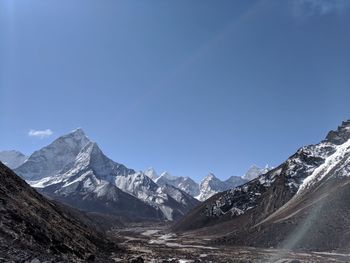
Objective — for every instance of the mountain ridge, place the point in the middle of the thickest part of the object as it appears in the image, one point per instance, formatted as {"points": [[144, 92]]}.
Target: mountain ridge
{"points": [[277, 208], [209, 185]]}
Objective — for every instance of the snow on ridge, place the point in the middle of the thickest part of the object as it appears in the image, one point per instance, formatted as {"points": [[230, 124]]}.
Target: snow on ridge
{"points": [[151, 173], [330, 162], [167, 176]]}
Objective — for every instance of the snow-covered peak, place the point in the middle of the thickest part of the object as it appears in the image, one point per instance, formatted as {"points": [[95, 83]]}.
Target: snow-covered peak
{"points": [[210, 180], [254, 171], [151, 173], [79, 132], [75, 140], [76, 137], [210, 176], [185, 184], [49, 160], [209, 186]]}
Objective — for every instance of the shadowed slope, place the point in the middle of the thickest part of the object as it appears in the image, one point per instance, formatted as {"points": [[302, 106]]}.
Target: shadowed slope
{"points": [[32, 226]]}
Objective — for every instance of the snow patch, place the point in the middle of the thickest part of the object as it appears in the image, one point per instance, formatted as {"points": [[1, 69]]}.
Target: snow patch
{"points": [[331, 161]]}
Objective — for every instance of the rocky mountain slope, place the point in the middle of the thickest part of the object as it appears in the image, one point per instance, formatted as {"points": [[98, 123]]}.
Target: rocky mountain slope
{"points": [[301, 204], [12, 159], [33, 227], [50, 160], [74, 170]]}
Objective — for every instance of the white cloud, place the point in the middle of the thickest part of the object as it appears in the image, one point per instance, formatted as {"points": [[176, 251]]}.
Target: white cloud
{"points": [[321, 7], [40, 133]]}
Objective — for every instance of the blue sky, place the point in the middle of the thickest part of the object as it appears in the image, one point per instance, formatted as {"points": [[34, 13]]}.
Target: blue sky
{"points": [[184, 86]]}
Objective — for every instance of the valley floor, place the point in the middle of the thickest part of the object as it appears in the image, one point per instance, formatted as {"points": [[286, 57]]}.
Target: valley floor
{"points": [[154, 243]]}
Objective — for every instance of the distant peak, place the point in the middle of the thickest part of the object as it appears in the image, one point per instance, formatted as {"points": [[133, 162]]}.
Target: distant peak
{"points": [[75, 139], [78, 131], [210, 175], [77, 134], [151, 173]]}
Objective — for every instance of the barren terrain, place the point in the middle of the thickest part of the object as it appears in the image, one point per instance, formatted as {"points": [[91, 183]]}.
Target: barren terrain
{"points": [[155, 243]]}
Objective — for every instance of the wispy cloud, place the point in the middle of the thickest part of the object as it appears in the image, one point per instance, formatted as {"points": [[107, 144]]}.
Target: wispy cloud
{"points": [[320, 7], [40, 133]]}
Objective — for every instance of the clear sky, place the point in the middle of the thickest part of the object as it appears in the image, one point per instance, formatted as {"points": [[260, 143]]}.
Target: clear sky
{"points": [[188, 86]]}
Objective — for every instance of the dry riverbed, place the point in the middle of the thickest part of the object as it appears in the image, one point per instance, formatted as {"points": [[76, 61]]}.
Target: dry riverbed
{"points": [[154, 243]]}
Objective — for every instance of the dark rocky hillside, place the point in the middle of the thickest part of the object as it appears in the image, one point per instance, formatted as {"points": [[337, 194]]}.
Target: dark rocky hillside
{"points": [[32, 227]]}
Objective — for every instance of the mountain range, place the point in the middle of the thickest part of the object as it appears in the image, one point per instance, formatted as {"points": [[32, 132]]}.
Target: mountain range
{"points": [[74, 170], [301, 204], [210, 184]]}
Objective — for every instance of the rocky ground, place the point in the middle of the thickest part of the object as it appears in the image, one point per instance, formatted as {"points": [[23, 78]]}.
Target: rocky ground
{"points": [[154, 243]]}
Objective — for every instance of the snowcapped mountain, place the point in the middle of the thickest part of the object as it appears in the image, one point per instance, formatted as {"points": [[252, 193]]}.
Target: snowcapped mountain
{"points": [[280, 207], [86, 178], [211, 185], [144, 188], [12, 159], [74, 169], [160, 196], [255, 171], [50, 160], [185, 184]]}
